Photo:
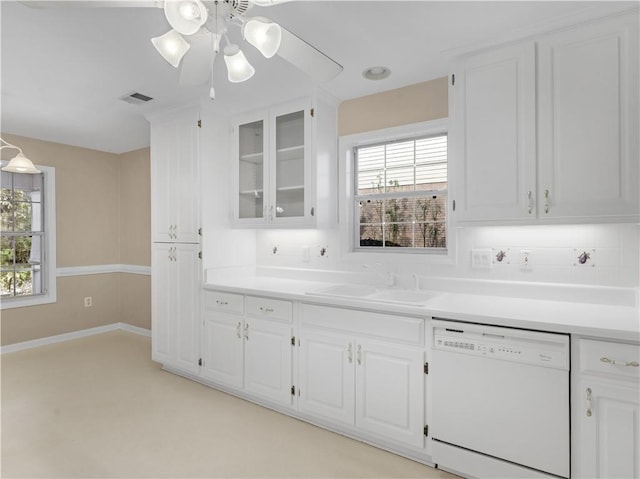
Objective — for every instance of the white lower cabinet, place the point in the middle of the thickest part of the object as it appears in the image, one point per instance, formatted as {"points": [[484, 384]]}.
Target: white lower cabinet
{"points": [[355, 379], [175, 305], [248, 348], [607, 410]]}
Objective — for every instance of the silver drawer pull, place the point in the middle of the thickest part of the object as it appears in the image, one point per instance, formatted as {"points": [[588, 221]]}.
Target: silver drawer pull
{"points": [[350, 352], [632, 364], [238, 329], [266, 310], [588, 402], [222, 303]]}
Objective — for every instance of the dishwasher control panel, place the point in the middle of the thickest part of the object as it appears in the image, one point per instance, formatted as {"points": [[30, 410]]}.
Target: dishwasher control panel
{"points": [[530, 347]]}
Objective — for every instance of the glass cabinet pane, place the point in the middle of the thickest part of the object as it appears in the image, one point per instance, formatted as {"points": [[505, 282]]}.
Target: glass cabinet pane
{"points": [[289, 157], [251, 170]]}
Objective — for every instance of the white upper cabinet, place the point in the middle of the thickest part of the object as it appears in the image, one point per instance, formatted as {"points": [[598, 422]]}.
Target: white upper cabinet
{"points": [[588, 128], [174, 177], [547, 130], [278, 156], [493, 134]]}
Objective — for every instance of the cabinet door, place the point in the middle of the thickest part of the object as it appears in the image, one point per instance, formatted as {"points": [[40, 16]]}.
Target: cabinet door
{"points": [[250, 153], [163, 153], [492, 136], [326, 375], [390, 391], [186, 291], [222, 348], [588, 121], [186, 180], [290, 164], [268, 365], [610, 436], [175, 305], [174, 178], [162, 303]]}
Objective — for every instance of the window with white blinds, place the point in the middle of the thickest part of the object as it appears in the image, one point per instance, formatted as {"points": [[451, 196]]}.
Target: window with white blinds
{"points": [[401, 193]]}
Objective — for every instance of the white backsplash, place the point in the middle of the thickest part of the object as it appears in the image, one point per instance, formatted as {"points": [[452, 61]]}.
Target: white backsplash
{"points": [[553, 255]]}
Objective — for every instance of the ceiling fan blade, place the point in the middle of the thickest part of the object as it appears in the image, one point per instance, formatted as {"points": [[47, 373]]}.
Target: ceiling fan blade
{"points": [[196, 64], [307, 58], [92, 4]]}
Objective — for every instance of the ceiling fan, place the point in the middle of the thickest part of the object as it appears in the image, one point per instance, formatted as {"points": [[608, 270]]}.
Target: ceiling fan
{"points": [[199, 28]]}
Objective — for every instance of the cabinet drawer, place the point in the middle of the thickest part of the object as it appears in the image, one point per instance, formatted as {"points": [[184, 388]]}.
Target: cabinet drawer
{"points": [[228, 302], [610, 359], [269, 308]]}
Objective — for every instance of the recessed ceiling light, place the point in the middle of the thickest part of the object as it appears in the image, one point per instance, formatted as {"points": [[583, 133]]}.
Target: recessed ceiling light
{"points": [[376, 73]]}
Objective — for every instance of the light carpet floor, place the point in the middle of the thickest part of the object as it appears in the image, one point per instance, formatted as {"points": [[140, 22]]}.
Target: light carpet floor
{"points": [[99, 407]]}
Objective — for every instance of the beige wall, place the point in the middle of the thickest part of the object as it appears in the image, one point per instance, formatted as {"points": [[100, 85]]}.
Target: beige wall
{"points": [[102, 217], [412, 104]]}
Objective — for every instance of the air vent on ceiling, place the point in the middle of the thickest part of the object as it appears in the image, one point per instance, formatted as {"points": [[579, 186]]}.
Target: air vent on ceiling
{"points": [[136, 98]]}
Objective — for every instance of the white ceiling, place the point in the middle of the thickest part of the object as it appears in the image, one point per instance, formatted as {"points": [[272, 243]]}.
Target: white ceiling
{"points": [[63, 70]]}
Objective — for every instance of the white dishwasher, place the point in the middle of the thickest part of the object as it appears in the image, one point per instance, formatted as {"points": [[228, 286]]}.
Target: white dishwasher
{"points": [[500, 401]]}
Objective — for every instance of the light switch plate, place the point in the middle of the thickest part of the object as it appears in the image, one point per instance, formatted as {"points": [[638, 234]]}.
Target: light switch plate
{"points": [[481, 259]]}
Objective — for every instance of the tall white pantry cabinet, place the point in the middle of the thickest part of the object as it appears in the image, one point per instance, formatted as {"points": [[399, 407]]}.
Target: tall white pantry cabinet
{"points": [[176, 252]]}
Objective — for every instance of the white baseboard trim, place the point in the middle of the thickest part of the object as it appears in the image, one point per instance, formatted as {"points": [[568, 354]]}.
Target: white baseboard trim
{"points": [[59, 338], [103, 269]]}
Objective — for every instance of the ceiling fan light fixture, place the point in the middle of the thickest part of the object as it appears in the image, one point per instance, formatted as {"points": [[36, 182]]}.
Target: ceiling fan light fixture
{"points": [[263, 34], [185, 16], [376, 73], [171, 46], [238, 67]]}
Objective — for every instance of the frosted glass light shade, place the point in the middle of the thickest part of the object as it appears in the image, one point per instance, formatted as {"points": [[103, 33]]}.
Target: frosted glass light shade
{"points": [[238, 68], [21, 164], [264, 35], [185, 16], [171, 46]]}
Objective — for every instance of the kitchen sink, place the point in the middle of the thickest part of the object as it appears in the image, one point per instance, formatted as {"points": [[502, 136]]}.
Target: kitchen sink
{"points": [[373, 293], [403, 296]]}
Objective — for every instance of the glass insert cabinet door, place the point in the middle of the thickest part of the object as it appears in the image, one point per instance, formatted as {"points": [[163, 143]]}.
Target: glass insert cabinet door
{"points": [[251, 170], [289, 165], [273, 166]]}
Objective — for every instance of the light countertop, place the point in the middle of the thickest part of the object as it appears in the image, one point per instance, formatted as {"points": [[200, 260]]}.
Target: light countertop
{"points": [[615, 322]]}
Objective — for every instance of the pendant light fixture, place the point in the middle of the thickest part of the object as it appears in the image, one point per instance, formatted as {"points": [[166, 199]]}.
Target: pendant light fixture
{"points": [[20, 163], [238, 68], [190, 17], [171, 46], [263, 34]]}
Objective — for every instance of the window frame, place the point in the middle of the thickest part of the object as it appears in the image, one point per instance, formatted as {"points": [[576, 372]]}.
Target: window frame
{"points": [[48, 260], [350, 235]]}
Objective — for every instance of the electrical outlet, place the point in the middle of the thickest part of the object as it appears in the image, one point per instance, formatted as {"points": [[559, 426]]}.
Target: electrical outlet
{"points": [[525, 259], [88, 301], [481, 258], [305, 254]]}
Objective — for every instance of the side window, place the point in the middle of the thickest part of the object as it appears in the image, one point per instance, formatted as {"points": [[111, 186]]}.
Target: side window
{"points": [[23, 269], [400, 194]]}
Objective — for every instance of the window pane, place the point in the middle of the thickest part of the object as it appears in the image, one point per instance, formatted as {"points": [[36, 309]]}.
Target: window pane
{"points": [[400, 154], [371, 182], [6, 209], [399, 235], [24, 281], [22, 214], [371, 211], [431, 235], [371, 235], [398, 210], [6, 283], [400, 179], [6, 252]]}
